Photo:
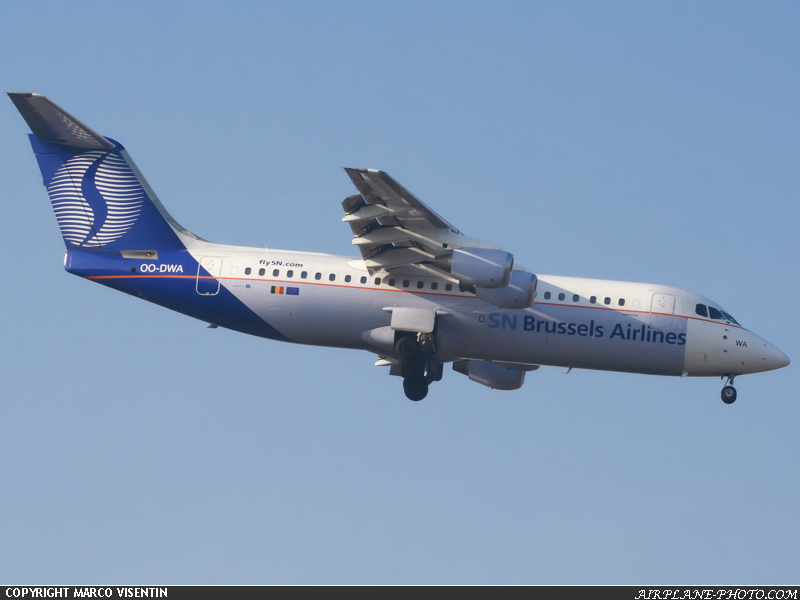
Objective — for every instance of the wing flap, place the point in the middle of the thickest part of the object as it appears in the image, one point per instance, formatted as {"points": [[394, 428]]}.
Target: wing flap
{"points": [[369, 212], [393, 228], [397, 258], [377, 187]]}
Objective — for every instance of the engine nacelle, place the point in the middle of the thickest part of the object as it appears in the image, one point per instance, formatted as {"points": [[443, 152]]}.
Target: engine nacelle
{"points": [[477, 267], [517, 294], [490, 374]]}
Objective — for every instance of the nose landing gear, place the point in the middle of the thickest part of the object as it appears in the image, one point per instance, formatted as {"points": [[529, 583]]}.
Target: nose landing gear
{"points": [[729, 392]]}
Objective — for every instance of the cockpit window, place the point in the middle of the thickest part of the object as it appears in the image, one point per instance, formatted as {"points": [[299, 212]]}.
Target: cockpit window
{"points": [[730, 318], [715, 313]]}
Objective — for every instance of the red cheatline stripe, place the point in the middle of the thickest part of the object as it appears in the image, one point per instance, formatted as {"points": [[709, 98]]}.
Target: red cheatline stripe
{"points": [[419, 293]]}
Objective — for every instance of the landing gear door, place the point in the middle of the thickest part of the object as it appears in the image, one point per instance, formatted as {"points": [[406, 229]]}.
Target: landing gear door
{"points": [[662, 312], [208, 285], [413, 319]]}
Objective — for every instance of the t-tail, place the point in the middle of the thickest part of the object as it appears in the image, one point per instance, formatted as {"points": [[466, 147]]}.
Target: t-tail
{"points": [[99, 197], [116, 230]]}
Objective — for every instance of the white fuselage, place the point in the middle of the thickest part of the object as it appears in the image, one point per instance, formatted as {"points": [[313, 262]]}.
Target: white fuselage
{"points": [[329, 300]]}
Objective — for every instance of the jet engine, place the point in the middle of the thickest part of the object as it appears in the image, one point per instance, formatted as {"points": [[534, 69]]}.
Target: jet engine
{"points": [[477, 267], [517, 294]]}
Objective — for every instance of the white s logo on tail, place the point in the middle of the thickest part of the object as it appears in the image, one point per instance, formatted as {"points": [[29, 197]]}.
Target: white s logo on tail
{"points": [[119, 196]]}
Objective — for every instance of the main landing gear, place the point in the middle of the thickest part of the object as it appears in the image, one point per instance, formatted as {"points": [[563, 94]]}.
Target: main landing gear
{"points": [[415, 387], [419, 368], [729, 392]]}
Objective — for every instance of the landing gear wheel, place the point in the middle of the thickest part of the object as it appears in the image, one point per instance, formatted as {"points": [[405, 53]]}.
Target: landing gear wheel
{"points": [[433, 372], [729, 394], [415, 388], [407, 349]]}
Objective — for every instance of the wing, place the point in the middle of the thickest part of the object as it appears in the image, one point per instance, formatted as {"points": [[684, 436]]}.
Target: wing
{"points": [[394, 230]]}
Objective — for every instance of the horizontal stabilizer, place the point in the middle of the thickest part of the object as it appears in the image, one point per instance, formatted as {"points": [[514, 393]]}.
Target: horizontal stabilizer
{"points": [[52, 124]]}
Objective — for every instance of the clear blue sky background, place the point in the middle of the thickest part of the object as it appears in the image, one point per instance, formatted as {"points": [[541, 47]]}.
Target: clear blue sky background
{"points": [[638, 141]]}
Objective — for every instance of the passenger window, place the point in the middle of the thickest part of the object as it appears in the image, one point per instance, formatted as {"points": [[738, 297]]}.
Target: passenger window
{"points": [[391, 281], [248, 270], [406, 283], [715, 314], [575, 297], [593, 300], [561, 296], [607, 301], [363, 280], [420, 284], [331, 277], [547, 295], [377, 281], [276, 272], [434, 285], [622, 301], [304, 274], [701, 310], [290, 273], [318, 276], [448, 287], [347, 278], [261, 271]]}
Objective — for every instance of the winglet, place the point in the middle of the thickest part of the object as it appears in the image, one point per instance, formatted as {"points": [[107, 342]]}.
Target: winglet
{"points": [[52, 124]]}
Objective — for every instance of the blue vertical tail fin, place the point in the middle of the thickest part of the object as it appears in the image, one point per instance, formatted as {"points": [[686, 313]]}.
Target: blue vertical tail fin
{"points": [[100, 198]]}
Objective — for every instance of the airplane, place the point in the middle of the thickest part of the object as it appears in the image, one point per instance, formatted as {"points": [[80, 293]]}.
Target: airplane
{"points": [[422, 294]]}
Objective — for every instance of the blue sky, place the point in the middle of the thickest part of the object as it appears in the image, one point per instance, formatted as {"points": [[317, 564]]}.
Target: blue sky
{"points": [[637, 141]]}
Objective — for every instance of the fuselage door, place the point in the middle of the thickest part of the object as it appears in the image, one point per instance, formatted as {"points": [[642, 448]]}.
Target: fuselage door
{"points": [[662, 311], [208, 285]]}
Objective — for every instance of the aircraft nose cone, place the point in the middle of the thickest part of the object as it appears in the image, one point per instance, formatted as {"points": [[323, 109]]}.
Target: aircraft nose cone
{"points": [[775, 359]]}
